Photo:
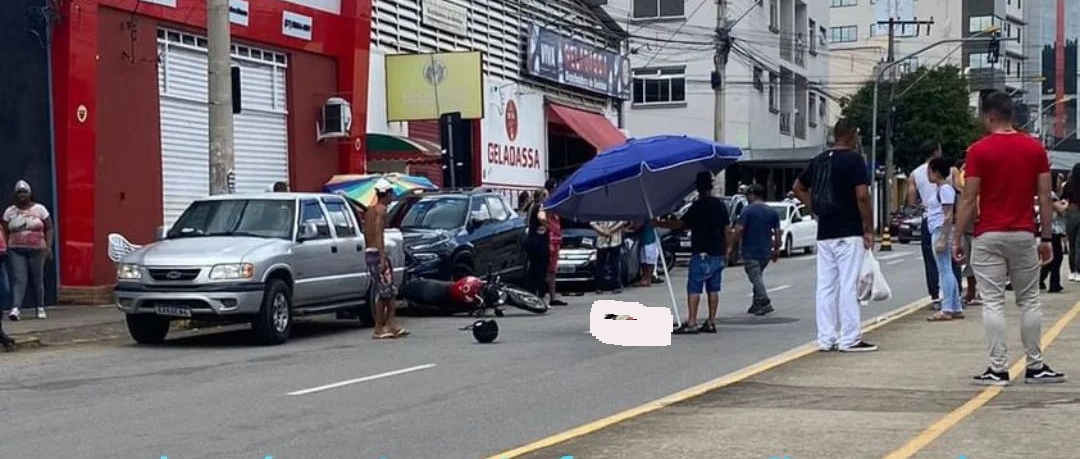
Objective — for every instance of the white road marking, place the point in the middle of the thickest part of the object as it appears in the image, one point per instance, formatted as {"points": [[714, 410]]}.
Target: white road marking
{"points": [[891, 256], [774, 289], [895, 262], [360, 380]]}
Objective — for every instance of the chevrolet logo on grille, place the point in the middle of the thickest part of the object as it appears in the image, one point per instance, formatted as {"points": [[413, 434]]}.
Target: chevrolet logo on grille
{"points": [[174, 275]]}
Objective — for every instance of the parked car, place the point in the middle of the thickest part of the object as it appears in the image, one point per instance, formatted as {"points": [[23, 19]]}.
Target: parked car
{"points": [[906, 224], [798, 227], [452, 234], [262, 259], [577, 257]]}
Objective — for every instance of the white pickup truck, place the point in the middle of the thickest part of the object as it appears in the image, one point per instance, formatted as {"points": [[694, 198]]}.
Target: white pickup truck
{"points": [[261, 259]]}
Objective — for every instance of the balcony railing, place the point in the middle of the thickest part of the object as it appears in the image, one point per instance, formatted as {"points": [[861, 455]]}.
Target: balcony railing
{"points": [[785, 123]]}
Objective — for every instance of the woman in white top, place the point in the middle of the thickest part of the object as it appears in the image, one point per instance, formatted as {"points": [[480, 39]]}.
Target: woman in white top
{"points": [[939, 219]]}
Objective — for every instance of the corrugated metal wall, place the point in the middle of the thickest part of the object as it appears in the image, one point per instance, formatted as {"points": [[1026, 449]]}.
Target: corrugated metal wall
{"points": [[25, 148]]}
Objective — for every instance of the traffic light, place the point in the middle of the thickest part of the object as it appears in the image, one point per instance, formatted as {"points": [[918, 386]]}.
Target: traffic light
{"points": [[994, 49]]}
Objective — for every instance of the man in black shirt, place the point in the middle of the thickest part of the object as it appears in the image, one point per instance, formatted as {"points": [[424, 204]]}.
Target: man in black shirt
{"points": [[709, 224], [836, 188]]}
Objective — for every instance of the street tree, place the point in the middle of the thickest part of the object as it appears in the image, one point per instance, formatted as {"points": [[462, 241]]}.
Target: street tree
{"points": [[932, 104]]}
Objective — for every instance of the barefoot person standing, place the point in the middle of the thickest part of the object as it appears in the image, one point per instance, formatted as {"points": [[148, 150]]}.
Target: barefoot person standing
{"points": [[382, 275]]}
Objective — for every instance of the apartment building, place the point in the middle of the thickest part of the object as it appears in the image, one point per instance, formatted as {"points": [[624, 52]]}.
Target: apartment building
{"points": [[858, 43], [774, 110]]}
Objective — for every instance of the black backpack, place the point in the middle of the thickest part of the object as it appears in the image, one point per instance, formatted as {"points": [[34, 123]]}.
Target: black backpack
{"points": [[822, 191]]}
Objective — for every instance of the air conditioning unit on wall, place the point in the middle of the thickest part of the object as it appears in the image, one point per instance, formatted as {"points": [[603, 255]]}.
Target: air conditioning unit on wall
{"points": [[336, 119]]}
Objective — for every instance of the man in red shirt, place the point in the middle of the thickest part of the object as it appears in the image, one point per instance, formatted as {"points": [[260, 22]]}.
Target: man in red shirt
{"points": [[1005, 170]]}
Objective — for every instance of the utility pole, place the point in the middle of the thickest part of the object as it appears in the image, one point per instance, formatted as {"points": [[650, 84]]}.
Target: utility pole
{"points": [[723, 47], [890, 120], [222, 161]]}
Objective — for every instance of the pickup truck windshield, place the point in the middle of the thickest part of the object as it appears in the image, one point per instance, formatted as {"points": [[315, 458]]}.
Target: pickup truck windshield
{"points": [[434, 212], [254, 218]]}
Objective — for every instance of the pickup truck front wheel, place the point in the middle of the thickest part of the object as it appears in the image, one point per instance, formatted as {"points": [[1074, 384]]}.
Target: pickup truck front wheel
{"points": [[147, 328], [273, 324]]}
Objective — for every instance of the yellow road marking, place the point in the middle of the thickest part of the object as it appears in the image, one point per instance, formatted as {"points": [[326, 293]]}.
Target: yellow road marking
{"points": [[727, 380], [938, 428]]}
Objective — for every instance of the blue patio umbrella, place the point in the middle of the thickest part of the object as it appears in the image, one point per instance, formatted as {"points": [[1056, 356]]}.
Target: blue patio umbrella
{"points": [[639, 180]]}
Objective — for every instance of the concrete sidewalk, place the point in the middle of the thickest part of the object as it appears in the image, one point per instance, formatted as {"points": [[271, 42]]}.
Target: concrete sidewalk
{"points": [[873, 405], [67, 325]]}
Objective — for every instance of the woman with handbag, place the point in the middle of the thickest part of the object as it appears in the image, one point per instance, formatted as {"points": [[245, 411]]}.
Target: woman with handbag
{"points": [[939, 215]]}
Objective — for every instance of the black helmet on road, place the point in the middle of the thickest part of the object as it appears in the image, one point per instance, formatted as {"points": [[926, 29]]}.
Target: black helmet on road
{"points": [[485, 331]]}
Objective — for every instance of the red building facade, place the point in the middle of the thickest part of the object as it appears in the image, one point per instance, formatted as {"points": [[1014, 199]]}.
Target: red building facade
{"points": [[111, 127]]}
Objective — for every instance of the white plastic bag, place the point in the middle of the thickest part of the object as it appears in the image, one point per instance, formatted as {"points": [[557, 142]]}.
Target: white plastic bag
{"points": [[872, 284]]}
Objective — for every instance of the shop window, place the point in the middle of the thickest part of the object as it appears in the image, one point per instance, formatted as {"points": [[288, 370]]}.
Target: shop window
{"points": [[660, 86], [655, 9]]}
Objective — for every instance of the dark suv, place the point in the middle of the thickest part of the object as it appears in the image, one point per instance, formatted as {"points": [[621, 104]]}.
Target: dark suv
{"points": [[450, 234]]}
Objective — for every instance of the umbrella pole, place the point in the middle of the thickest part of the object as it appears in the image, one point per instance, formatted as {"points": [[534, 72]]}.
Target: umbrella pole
{"points": [[663, 260]]}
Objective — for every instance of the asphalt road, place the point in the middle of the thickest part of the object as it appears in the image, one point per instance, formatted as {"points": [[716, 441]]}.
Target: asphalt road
{"points": [[436, 394]]}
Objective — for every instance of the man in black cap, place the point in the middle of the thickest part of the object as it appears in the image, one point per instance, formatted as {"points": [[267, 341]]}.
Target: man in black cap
{"points": [[709, 224]]}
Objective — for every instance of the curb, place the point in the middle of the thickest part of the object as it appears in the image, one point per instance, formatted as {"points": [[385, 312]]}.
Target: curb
{"points": [[34, 340], [729, 379]]}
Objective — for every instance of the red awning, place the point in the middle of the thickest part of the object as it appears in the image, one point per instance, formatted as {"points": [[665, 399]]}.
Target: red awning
{"points": [[592, 127]]}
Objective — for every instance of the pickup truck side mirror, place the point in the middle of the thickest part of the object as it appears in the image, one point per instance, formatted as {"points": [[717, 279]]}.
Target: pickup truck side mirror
{"points": [[308, 231], [160, 233]]}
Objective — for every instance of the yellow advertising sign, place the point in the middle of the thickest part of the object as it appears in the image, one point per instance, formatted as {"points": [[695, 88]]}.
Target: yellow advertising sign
{"points": [[426, 86]]}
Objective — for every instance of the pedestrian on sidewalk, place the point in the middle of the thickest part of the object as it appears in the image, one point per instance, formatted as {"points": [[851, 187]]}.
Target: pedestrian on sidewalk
{"points": [[758, 231], [709, 225], [609, 240], [537, 246], [971, 295], [1071, 194], [939, 216], [378, 263], [29, 229], [5, 341], [1053, 270], [836, 187], [920, 191], [554, 246], [1005, 170]]}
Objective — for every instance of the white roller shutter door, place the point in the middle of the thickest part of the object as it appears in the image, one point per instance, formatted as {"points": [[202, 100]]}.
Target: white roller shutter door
{"points": [[260, 130]]}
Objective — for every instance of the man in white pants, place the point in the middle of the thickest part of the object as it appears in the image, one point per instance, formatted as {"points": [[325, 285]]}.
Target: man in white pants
{"points": [[836, 186]]}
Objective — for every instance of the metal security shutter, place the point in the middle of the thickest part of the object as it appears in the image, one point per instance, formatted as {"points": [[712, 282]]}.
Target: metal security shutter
{"points": [[260, 130]]}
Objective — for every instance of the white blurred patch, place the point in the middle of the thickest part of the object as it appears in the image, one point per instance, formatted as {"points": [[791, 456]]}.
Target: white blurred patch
{"points": [[652, 326]]}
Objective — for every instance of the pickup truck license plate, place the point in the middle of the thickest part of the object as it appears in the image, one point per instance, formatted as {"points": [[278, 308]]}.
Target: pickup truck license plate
{"points": [[684, 244], [172, 311], [566, 269]]}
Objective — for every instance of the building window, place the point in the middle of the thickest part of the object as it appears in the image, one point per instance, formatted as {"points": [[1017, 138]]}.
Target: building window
{"points": [[979, 61], [812, 110], [660, 86], [653, 9], [774, 92], [759, 79], [839, 3], [774, 16], [981, 23], [813, 37], [822, 105], [909, 66], [846, 34], [822, 34]]}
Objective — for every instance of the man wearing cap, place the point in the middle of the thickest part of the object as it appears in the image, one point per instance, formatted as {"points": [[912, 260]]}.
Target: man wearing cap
{"points": [[379, 269]]}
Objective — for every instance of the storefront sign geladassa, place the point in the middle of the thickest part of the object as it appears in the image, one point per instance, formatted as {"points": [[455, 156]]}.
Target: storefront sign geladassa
{"points": [[553, 57], [513, 136]]}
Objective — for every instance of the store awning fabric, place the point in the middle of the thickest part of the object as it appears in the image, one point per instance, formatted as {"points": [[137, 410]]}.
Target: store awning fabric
{"points": [[592, 127], [389, 147]]}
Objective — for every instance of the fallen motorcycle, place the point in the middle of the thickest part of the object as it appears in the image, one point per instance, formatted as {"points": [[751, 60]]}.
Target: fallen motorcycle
{"points": [[470, 295]]}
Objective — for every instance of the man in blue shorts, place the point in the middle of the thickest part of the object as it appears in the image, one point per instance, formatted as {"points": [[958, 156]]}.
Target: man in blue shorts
{"points": [[709, 224]]}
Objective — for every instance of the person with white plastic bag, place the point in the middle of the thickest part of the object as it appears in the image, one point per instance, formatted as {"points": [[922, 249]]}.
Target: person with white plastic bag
{"points": [[872, 284], [836, 186]]}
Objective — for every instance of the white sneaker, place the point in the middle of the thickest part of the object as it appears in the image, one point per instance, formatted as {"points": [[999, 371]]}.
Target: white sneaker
{"points": [[13, 315], [41, 313], [1074, 277]]}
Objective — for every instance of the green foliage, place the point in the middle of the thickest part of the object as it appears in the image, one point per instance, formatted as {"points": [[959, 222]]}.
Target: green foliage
{"points": [[935, 108]]}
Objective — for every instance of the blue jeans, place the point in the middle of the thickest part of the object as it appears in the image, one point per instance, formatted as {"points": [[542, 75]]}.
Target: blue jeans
{"points": [[950, 289], [706, 273]]}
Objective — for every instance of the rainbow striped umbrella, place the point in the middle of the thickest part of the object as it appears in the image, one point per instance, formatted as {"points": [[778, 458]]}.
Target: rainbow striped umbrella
{"points": [[361, 188]]}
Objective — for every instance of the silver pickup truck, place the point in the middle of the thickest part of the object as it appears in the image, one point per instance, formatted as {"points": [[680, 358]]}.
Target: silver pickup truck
{"points": [[261, 259]]}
